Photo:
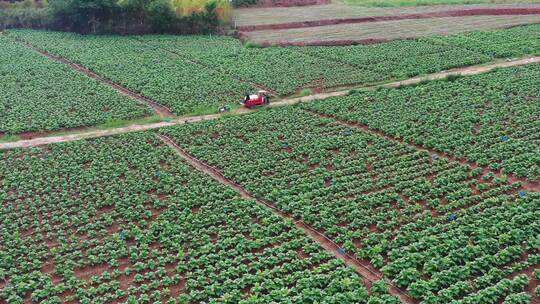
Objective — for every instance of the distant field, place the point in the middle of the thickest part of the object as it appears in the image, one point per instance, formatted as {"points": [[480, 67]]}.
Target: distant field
{"points": [[390, 3], [187, 73], [277, 15], [388, 30]]}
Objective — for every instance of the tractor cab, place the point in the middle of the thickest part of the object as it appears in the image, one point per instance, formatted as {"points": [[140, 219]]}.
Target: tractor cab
{"points": [[261, 98]]}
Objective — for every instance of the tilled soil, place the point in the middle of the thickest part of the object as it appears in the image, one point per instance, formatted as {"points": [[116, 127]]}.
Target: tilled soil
{"points": [[384, 30], [370, 19]]}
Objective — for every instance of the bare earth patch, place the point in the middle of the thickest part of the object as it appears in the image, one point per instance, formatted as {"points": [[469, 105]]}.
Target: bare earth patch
{"points": [[278, 15], [375, 32]]}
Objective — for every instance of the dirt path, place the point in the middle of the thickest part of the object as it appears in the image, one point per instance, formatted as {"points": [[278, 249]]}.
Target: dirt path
{"points": [[466, 71], [471, 70], [369, 273], [159, 109], [100, 133], [525, 184], [371, 19], [463, 71]]}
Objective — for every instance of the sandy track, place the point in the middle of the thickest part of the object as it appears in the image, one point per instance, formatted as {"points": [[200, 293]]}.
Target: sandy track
{"points": [[464, 71], [100, 133], [363, 268], [471, 70]]}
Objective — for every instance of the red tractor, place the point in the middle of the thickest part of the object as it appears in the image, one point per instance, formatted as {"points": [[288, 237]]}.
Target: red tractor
{"points": [[261, 98]]}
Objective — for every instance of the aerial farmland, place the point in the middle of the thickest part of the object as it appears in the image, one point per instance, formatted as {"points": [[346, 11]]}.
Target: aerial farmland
{"points": [[270, 151]]}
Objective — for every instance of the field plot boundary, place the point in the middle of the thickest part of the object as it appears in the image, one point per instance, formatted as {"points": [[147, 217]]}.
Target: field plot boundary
{"points": [[159, 109], [526, 185], [365, 270], [85, 134], [371, 19]]}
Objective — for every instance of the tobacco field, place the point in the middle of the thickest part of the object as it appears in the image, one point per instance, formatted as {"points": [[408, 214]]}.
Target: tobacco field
{"points": [[193, 73], [123, 218], [419, 194], [39, 94], [437, 228], [491, 119]]}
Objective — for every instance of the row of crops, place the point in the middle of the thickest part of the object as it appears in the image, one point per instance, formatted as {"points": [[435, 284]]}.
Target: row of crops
{"points": [[180, 85], [39, 94], [491, 119], [192, 74], [286, 70], [124, 219], [444, 232]]}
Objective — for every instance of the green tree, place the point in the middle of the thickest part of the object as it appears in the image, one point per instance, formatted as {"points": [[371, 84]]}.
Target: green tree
{"points": [[83, 16]]}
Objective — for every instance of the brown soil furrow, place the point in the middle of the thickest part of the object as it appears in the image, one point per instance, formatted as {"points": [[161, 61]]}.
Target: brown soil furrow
{"points": [[158, 108], [526, 185], [87, 272], [208, 66], [370, 19], [533, 282], [363, 268], [85, 134]]}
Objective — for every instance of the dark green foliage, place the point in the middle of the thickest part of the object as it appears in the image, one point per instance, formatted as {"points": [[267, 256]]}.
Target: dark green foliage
{"points": [[239, 3], [82, 15], [490, 119], [23, 14], [108, 16], [386, 201]]}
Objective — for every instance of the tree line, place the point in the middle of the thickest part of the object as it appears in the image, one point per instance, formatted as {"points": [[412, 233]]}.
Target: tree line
{"points": [[111, 16]]}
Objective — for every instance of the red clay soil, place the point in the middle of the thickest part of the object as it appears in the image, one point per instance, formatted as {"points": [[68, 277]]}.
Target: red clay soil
{"points": [[31, 135], [38, 134], [367, 271], [533, 282], [288, 3], [525, 184], [87, 272], [370, 19]]}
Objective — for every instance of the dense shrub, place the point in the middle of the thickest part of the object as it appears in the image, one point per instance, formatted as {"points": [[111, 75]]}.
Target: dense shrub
{"points": [[239, 3], [23, 14]]}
